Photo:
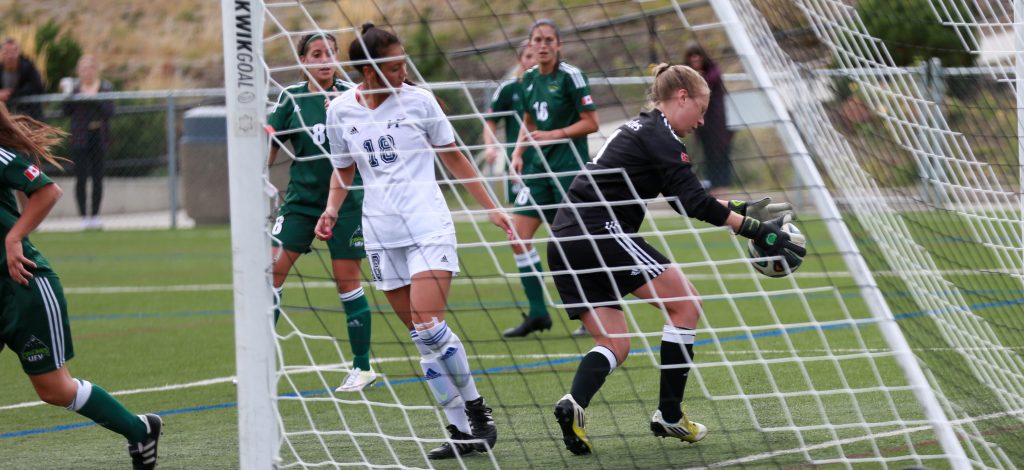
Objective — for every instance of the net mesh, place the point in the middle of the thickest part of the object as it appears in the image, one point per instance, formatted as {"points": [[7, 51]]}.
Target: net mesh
{"points": [[789, 371]]}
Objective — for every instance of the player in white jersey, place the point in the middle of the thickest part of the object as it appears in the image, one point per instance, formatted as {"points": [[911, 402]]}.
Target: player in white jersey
{"points": [[391, 130]]}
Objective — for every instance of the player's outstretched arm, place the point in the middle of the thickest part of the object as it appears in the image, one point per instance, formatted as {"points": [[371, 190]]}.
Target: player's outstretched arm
{"points": [[340, 183], [762, 209], [768, 235], [457, 163]]}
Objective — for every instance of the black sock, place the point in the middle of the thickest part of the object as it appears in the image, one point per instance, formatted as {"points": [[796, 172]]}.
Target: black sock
{"points": [[590, 376], [673, 380]]}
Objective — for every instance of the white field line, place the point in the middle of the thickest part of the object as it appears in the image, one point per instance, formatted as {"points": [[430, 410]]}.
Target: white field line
{"points": [[463, 280], [344, 367], [825, 445]]}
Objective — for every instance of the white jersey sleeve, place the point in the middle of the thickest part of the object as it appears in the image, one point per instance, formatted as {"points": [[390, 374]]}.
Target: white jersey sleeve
{"points": [[341, 157], [439, 130]]}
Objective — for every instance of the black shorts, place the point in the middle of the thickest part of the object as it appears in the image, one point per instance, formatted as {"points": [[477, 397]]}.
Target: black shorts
{"points": [[600, 267]]}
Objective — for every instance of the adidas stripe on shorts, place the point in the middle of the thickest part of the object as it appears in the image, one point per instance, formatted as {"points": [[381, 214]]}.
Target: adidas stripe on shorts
{"points": [[599, 269]]}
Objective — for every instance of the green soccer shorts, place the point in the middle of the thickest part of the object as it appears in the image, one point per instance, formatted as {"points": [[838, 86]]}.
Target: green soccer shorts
{"points": [[34, 323], [294, 232], [540, 190]]}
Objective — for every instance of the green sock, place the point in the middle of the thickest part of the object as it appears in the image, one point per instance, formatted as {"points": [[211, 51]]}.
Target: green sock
{"points": [[96, 404], [529, 264], [279, 293], [357, 315]]}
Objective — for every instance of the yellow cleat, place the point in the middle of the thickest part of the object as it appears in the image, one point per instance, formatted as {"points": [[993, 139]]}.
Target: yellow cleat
{"points": [[571, 418], [685, 430]]}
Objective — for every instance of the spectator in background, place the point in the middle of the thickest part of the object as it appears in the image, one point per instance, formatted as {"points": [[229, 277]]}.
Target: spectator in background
{"points": [[19, 79], [715, 136], [90, 136]]}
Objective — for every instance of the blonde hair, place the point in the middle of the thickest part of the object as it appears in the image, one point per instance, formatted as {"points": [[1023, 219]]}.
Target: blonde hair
{"points": [[668, 79], [29, 136]]}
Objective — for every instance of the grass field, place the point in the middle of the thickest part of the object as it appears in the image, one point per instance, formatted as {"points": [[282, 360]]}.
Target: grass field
{"points": [[152, 322]]}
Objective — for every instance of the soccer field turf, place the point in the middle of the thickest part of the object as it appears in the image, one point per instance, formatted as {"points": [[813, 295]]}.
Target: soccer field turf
{"points": [[152, 322]]}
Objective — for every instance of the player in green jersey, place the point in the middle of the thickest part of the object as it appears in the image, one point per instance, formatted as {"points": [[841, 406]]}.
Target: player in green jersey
{"points": [[560, 113], [33, 311], [300, 117], [509, 97]]}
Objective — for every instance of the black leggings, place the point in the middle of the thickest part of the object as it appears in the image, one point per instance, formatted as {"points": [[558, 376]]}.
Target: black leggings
{"points": [[89, 164]]}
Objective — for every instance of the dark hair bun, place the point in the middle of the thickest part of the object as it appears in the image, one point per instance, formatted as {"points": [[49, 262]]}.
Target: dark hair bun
{"points": [[367, 26]]}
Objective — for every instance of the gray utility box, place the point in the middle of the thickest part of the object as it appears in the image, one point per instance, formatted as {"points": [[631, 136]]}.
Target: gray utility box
{"points": [[204, 166]]}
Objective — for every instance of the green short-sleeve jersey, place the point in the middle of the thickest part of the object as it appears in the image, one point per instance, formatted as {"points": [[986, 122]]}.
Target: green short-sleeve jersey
{"points": [[555, 102], [300, 117], [510, 97], [18, 173]]}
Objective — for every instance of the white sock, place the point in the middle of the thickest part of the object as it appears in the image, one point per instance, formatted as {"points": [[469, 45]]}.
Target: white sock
{"points": [[424, 350], [443, 341], [445, 392], [351, 295], [525, 260], [81, 395]]}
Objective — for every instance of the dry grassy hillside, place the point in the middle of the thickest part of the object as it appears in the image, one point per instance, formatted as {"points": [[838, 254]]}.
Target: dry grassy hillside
{"points": [[177, 44]]}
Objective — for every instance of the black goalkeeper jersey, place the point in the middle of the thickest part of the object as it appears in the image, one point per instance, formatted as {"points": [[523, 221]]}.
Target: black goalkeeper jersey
{"points": [[640, 160]]}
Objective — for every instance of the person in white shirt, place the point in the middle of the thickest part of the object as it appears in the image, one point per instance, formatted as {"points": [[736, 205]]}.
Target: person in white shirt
{"points": [[391, 130]]}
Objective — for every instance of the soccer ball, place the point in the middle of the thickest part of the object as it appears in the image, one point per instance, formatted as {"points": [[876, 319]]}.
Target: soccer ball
{"points": [[776, 267]]}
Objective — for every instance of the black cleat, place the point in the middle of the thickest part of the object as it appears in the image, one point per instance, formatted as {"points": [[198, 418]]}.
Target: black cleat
{"points": [[144, 453], [482, 424], [571, 418], [449, 450], [529, 325]]}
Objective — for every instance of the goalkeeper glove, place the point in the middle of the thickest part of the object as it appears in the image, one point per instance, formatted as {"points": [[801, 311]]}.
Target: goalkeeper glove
{"points": [[762, 209], [772, 240]]}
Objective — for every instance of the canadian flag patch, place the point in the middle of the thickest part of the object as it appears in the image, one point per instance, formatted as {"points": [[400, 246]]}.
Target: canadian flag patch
{"points": [[587, 100], [32, 172], [684, 157]]}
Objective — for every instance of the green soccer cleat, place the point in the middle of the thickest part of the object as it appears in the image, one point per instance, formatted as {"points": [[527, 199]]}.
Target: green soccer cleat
{"points": [[571, 418], [685, 430]]}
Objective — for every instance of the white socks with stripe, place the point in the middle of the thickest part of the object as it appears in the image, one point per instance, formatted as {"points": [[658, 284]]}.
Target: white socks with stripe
{"points": [[440, 383], [452, 354]]}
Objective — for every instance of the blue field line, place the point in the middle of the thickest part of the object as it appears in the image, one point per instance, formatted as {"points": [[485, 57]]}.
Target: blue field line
{"points": [[458, 306], [559, 361]]}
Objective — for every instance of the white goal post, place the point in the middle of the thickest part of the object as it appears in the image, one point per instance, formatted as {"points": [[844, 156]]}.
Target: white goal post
{"points": [[246, 91]]}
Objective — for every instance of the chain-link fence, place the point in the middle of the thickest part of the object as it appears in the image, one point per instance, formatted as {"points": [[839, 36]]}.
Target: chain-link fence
{"points": [[143, 185], [135, 166]]}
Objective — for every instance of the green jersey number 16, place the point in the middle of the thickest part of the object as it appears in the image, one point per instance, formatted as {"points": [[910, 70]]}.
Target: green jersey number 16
{"points": [[540, 109]]}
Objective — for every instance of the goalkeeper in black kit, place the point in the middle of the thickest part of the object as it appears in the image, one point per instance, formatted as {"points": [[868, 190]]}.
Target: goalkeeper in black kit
{"points": [[597, 258]]}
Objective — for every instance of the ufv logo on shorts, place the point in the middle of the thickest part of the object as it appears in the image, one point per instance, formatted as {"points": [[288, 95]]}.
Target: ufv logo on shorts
{"points": [[34, 350]]}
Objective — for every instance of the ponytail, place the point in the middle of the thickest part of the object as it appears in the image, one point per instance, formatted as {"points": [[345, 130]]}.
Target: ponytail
{"points": [[30, 137]]}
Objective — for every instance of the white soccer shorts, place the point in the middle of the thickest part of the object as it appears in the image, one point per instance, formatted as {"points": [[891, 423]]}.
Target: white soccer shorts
{"points": [[392, 268]]}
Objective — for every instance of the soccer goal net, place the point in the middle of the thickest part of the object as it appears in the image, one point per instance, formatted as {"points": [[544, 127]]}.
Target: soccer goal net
{"points": [[897, 343]]}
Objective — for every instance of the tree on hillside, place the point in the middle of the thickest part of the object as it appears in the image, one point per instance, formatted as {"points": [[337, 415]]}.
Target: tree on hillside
{"points": [[61, 50], [912, 33]]}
